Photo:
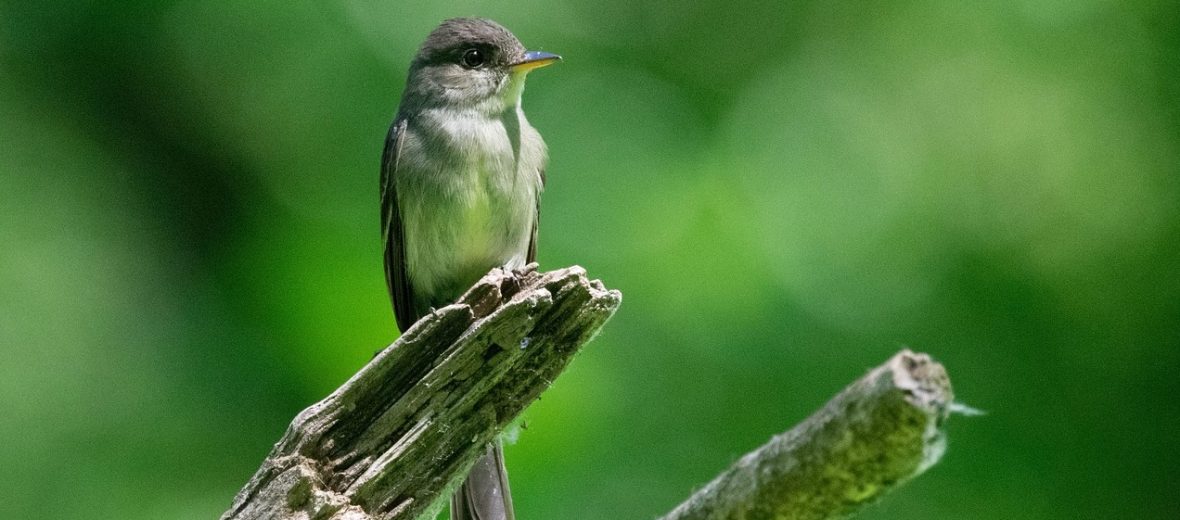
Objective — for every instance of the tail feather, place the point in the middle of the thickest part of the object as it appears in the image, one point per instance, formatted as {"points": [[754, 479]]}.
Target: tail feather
{"points": [[485, 494]]}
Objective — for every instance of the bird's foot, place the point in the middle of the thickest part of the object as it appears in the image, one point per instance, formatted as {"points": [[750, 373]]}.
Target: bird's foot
{"points": [[529, 268]]}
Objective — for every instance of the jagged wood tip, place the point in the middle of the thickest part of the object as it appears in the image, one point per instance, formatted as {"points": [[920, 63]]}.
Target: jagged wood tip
{"points": [[389, 442]]}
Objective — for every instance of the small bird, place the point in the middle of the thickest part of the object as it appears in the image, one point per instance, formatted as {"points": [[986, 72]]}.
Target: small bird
{"points": [[461, 180]]}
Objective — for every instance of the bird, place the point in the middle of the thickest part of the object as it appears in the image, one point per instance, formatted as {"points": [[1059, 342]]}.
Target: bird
{"points": [[461, 178]]}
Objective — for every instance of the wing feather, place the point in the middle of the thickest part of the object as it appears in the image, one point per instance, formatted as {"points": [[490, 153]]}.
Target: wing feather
{"points": [[532, 252], [391, 229]]}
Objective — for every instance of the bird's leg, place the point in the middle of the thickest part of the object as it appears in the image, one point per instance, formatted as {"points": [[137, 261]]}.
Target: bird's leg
{"points": [[529, 268]]}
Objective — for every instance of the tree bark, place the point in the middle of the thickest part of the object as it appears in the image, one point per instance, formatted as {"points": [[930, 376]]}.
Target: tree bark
{"points": [[881, 431], [392, 440]]}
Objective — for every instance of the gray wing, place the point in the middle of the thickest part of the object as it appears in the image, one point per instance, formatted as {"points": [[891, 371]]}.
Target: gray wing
{"points": [[532, 253], [391, 230]]}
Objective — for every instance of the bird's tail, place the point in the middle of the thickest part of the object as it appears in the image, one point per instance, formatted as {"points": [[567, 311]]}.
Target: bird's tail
{"points": [[485, 494]]}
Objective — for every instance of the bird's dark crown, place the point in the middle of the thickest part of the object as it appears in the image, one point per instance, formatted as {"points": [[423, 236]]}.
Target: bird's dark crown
{"points": [[453, 37]]}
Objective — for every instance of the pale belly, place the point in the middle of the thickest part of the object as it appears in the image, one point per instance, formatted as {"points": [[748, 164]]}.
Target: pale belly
{"points": [[452, 241], [462, 213]]}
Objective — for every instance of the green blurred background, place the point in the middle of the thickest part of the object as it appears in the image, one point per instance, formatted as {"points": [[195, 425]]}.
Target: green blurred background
{"points": [[786, 193]]}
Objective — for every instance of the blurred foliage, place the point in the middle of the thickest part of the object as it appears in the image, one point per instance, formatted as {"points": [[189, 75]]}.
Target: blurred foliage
{"points": [[786, 194]]}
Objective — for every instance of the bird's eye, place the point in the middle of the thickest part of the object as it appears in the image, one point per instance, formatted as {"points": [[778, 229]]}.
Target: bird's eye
{"points": [[473, 58]]}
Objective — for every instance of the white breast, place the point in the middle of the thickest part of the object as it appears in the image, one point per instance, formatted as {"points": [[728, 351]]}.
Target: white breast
{"points": [[468, 199]]}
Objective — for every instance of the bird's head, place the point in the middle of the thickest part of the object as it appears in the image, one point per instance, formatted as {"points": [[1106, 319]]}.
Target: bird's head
{"points": [[472, 63]]}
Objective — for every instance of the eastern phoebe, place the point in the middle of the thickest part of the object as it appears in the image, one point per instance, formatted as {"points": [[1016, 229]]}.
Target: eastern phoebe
{"points": [[461, 180]]}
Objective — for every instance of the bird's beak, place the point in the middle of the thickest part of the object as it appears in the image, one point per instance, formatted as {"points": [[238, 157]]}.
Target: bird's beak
{"points": [[534, 60]]}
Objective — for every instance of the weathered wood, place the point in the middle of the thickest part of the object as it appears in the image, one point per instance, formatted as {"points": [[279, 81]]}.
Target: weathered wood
{"points": [[879, 432], [389, 442]]}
